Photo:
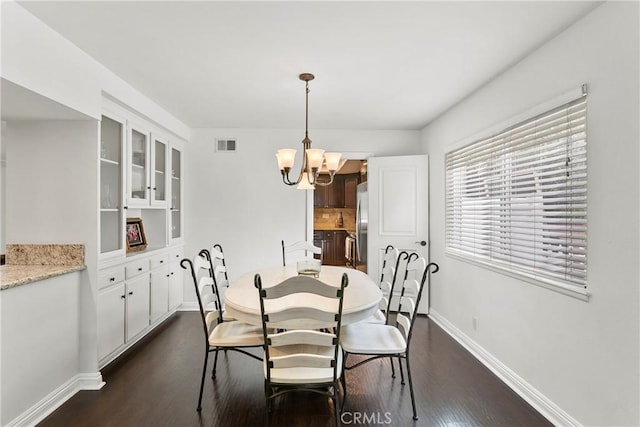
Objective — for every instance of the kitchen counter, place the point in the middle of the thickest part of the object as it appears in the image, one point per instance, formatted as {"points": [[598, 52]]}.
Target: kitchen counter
{"points": [[32, 263], [12, 276], [327, 228]]}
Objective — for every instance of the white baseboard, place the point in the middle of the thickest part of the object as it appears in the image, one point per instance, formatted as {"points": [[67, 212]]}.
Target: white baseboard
{"points": [[51, 402], [540, 402], [189, 306]]}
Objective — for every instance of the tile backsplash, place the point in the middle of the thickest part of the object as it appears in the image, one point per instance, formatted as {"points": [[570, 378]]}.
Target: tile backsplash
{"points": [[327, 217]]}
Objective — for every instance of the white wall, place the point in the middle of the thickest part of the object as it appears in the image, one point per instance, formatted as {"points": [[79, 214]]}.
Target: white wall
{"points": [[51, 197], [41, 60], [580, 358], [40, 341], [239, 200]]}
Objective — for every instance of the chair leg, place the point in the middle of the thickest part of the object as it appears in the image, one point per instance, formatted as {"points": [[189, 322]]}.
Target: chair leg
{"points": [[343, 380], [393, 370], [335, 406], [215, 364], [204, 371], [267, 395], [401, 371], [413, 399]]}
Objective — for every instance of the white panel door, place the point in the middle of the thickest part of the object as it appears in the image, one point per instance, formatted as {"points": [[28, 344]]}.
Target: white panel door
{"points": [[398, 210]]}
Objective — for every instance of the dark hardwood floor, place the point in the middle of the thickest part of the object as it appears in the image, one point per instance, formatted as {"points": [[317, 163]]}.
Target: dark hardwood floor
{"points": [[156, 384]]}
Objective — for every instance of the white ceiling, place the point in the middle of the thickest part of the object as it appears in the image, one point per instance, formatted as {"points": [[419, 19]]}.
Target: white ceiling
{"points": [[378, 65]]}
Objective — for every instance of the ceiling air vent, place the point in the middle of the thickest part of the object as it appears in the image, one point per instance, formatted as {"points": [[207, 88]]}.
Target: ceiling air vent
{"points": [[226, 145]]}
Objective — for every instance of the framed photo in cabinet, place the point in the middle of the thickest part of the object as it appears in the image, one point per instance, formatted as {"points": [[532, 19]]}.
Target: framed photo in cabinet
{"points": [[136, 240]]}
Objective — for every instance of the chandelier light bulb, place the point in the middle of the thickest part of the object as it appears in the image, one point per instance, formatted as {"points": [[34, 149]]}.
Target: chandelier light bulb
{"points": [[315, 158], [286, 157], [333, 161]]}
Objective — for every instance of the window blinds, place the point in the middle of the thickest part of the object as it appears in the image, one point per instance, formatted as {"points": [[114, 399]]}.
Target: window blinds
{"points": [[518, 200]]}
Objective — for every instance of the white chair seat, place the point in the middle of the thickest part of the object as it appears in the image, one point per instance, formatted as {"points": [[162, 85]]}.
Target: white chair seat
{"points": [[236, 334], [304, 375], [372, 338]]}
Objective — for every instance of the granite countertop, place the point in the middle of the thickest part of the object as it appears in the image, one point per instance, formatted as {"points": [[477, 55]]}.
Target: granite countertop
{"points": [[31, 263], [12, 276], [328, 228]]}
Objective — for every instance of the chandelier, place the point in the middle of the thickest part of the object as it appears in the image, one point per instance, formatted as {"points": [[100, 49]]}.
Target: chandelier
{"points": [[313, 159]]}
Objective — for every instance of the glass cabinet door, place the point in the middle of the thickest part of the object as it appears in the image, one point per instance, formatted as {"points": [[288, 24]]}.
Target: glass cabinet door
{"points": [[112, 135], [176, 194], [139, 185], [159, 176]]}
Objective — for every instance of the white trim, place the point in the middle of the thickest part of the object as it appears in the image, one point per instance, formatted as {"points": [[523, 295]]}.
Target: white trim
{"points": [[530, 394], [51, 402], [188, 306]]}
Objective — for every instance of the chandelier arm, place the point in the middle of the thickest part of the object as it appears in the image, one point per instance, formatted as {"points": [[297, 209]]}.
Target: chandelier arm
{"points": [[325, 183], [285, 178]]}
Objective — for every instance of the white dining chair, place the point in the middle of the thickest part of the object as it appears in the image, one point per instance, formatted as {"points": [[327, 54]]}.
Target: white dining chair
{"points": [[375, 341], [303, 351], [220, 274], [218, 334], [389, 270], [298, 251]]}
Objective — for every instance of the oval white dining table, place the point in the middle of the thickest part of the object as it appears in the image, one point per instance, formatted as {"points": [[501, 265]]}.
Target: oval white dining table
{"points": [[361, 297]]}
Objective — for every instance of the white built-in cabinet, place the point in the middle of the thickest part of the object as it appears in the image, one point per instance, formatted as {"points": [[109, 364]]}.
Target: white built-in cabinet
{"points": [[111, 319], [141, 177], [159, 286], [175, 217], [112, 167], [148, 165]]}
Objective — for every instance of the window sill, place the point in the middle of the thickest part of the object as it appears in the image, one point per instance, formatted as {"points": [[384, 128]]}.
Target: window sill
{"points": [[554, 285]]}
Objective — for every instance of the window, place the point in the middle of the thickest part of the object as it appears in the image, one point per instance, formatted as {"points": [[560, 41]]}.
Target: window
{"points": [[517, 201]]}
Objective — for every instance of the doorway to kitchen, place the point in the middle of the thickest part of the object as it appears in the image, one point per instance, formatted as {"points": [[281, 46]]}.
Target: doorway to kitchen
{"points": [[334, 214]]}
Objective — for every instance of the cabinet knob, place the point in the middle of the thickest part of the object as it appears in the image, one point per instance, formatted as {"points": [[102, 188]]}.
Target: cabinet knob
{"points": [[125, 207], [154, 188], [161, 261], [112, 279], [122, 296], [131, 293], [139, 268], [172, 273], [148, 188]]}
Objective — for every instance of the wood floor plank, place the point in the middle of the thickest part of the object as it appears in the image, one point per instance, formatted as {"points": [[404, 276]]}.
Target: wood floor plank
{"points": [[156, 383]]}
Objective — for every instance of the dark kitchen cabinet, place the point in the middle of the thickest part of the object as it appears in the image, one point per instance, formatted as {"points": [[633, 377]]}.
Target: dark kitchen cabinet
{"points": [[330, 196], [332, 244], [340, 194], [350, 190]]}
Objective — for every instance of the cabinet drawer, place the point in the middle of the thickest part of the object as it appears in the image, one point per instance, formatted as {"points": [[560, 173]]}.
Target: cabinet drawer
{"points": [[110, 276], [159, 260], [176, 254], [136, 268]]}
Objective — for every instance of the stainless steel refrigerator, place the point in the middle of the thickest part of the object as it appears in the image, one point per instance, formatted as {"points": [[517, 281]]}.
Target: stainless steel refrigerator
{"points": [[362, 224]]}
